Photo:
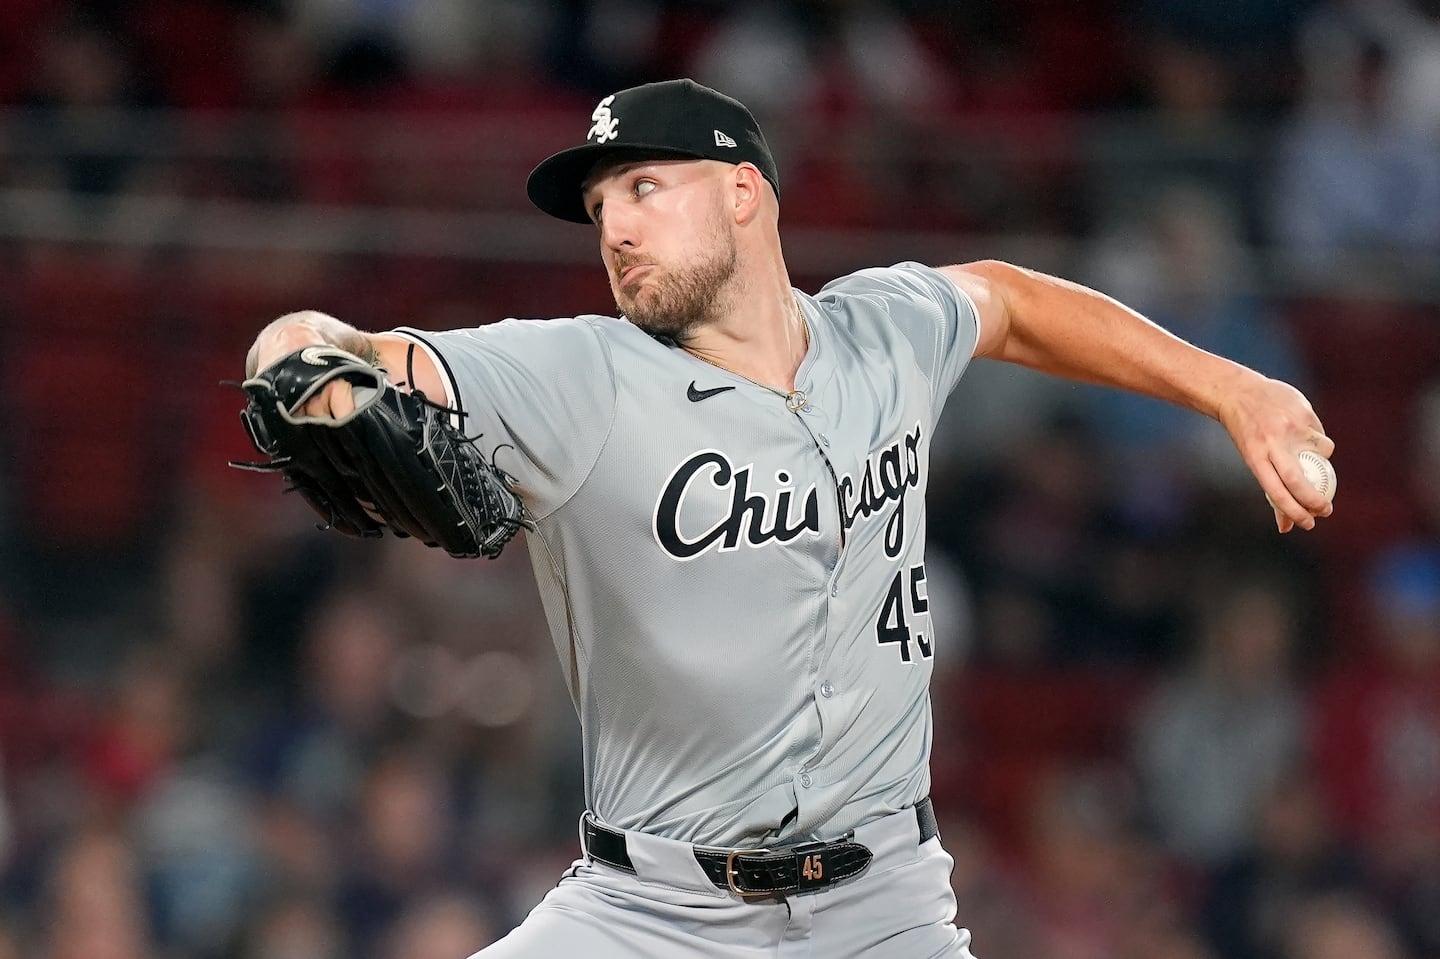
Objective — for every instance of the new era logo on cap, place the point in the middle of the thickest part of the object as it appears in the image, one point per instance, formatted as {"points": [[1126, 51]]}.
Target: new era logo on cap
{"points": [[674, 119]]}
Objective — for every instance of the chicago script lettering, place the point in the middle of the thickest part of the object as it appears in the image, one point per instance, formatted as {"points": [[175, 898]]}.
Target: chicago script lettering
{"points": [[888, 473], [751, 517], [758, 518]]}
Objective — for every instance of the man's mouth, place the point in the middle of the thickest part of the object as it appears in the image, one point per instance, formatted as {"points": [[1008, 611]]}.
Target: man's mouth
{"points": [[633, 272]]}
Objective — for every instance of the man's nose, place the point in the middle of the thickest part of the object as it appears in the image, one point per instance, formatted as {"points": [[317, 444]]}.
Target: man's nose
{"points": [[618, 229]]}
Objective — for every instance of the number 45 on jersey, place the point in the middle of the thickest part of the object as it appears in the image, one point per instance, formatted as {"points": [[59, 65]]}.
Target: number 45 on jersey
{"points": [[905, 603]]}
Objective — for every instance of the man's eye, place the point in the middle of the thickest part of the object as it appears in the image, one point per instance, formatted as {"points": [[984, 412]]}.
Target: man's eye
{"points": [[643, 187]]}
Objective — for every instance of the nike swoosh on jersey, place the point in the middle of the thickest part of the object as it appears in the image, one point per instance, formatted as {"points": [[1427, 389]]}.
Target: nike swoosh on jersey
{"points": [[696, 396]]}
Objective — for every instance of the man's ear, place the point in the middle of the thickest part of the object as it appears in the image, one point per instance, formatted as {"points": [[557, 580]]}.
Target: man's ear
{"points": [[747, 186]]}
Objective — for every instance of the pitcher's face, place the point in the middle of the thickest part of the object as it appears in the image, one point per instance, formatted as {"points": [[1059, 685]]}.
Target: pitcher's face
{"points": [[666, 241]]}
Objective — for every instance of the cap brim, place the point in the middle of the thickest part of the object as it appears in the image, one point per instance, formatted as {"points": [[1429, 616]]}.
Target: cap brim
{"points": [[555, 185]]}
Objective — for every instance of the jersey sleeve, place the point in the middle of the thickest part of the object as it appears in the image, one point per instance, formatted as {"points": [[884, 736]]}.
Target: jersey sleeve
{"points": [[936, 316], [540, 393]]}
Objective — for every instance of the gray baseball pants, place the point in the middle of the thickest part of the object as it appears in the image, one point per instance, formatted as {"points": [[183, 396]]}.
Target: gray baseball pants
{"points": [[901, 907]]}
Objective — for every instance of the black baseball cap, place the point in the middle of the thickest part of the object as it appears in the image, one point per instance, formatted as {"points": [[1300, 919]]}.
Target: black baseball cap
{"points": [[677, 119]]}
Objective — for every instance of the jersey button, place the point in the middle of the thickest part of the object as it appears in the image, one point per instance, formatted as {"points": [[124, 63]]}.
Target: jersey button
{"points": [[824, 440], [826, 689], [835, 589], [805, 780]]}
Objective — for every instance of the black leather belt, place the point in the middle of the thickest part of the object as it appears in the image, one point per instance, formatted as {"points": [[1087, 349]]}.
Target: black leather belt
{"points": [[762, 872]]}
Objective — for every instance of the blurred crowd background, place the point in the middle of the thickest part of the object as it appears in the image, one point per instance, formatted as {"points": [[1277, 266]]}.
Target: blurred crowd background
{"points": [[1162, 730]]}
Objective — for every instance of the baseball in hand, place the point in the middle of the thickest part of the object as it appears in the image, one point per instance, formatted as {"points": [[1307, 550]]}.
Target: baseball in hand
{"points": [[1318, 472]]}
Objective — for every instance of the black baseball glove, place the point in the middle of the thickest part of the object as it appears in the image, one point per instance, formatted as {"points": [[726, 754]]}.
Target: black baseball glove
{"points": [[396, 462]]}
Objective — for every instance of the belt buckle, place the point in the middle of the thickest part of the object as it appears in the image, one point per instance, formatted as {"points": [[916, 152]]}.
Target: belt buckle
{"points": [[731, 874]]}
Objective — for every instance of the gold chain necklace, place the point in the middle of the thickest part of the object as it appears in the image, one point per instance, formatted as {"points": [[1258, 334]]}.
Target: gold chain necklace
{"points": [[795, 400]]}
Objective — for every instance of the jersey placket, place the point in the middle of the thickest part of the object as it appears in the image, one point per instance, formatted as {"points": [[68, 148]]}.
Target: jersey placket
{"points": [[821, 691]]}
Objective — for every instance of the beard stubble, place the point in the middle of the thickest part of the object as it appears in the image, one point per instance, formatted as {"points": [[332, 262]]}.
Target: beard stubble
{"points": [[683, 298]]}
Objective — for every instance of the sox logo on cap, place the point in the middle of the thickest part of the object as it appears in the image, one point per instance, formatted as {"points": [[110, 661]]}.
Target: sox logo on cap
{"points": [[606, 127]]}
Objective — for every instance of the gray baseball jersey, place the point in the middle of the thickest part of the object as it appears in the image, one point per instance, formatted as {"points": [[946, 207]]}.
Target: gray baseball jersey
{"points": [[735, 583]]}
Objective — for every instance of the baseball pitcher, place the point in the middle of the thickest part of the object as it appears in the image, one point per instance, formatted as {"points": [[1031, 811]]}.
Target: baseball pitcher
{"points": [[723, 491]]}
